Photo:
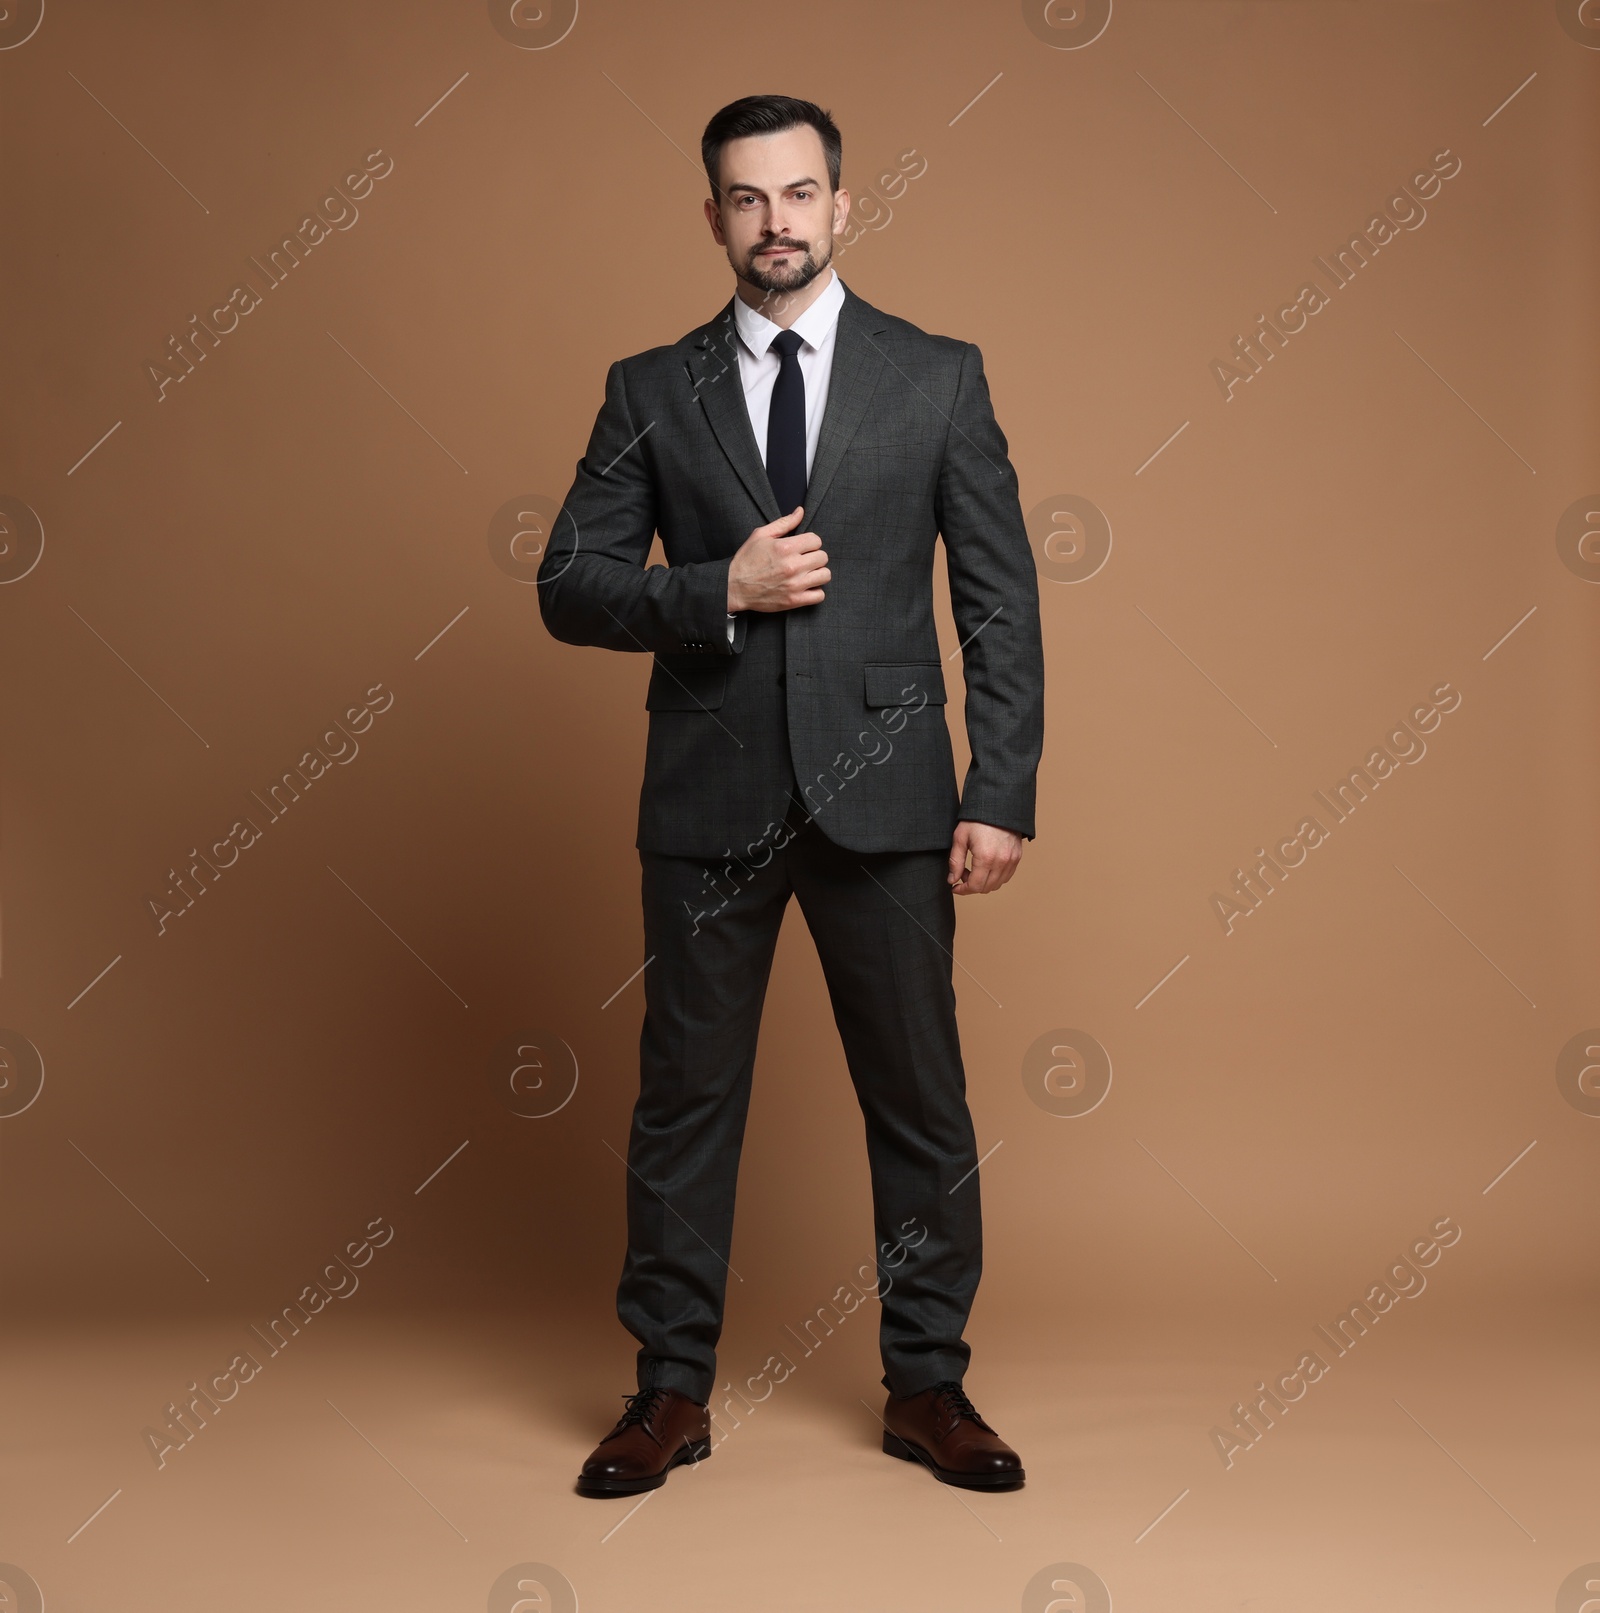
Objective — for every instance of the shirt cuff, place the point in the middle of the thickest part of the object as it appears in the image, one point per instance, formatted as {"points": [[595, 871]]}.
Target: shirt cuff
{"points": [[730, 629]]}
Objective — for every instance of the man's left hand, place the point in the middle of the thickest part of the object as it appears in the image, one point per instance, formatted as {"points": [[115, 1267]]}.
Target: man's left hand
{"points": [[995, 855]]}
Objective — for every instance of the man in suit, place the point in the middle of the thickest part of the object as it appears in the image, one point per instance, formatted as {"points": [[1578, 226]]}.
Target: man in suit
{"points": [[799, 456]]}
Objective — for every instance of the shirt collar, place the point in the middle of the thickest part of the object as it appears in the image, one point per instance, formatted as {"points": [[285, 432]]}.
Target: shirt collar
{"points": [[757, 331]]}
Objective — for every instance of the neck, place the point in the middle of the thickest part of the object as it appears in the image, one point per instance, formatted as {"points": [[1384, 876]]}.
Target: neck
{"points": [[784, 307]]}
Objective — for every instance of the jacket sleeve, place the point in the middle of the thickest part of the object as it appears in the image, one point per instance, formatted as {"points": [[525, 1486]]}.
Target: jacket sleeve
{"points": [[994, 595], [594, 586]]}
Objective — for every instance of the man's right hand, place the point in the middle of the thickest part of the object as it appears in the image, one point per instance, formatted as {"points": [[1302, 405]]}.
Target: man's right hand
{"points": [[777, 568]]}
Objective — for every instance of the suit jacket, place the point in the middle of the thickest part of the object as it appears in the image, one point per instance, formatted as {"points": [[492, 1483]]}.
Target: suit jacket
{"points": [[845, 698]]}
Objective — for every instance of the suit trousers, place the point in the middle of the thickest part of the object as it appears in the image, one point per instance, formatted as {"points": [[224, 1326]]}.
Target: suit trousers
{"points": [[883, 924]]}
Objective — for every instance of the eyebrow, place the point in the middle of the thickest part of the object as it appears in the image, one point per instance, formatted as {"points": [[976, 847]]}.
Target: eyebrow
{"points": [[793, 184]]}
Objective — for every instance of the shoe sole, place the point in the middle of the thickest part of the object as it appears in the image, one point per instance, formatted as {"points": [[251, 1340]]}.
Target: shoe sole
{"points": [[893, 1445], [695, 1451]]}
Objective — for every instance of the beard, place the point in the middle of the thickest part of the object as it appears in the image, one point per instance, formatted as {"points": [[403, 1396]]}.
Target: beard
{"points": [[782, 279]]}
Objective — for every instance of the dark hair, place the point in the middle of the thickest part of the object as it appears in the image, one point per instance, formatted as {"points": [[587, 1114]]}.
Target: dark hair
{"points": [[768, 114]]}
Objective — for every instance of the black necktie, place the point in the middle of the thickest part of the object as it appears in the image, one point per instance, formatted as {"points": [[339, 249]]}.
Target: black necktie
{"points": [[786, 426]]}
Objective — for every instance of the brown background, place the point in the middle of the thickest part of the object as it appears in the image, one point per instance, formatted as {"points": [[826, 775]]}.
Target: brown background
{"points": [[1291, 574]]}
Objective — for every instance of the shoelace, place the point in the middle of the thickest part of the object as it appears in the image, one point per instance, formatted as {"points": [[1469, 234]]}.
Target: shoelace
{"points": [[640, 1406], [954, 1399]]}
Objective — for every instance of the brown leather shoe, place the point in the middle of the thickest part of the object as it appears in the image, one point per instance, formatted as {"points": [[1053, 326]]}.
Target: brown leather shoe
{"points": [[659, 1429], [941, 1429]]}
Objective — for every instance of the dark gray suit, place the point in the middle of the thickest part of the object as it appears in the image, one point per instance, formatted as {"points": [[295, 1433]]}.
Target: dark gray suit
{"points": [[909, 450], [809, 757]]}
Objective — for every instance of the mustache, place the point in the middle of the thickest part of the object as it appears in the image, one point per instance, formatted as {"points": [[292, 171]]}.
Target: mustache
{"points": [[768, 246]]}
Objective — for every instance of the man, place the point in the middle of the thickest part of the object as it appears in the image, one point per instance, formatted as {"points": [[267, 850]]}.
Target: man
{"points": [[799, 455]]}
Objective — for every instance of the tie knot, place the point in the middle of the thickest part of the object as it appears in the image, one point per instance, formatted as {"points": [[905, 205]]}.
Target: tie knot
{"points": [[787, 343]]}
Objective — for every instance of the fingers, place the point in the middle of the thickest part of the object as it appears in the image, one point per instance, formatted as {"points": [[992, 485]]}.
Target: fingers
{"points": [[994, 859], [794, 563], [984, 876], [990, 876], [804, 584], [784, 524], [980, 879], [958, 855]]}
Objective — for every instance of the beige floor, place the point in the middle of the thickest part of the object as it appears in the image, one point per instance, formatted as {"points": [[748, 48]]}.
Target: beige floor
{"points": [[409, 1462]]}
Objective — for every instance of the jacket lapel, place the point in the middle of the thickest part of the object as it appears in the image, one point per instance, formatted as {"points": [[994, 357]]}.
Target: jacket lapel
{"points": [[858, 361], [714, 370]]}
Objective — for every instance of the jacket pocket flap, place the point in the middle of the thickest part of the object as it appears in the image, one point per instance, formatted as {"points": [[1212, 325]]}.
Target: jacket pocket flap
{"points": [[685, 688], [905, 683]]}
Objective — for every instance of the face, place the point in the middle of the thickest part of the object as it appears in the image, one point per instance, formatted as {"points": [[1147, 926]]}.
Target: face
{"points": [[778, 217]]}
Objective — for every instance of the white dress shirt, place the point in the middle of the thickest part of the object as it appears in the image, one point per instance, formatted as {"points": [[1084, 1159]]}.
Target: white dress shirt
{"points": [[759, 365]]}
